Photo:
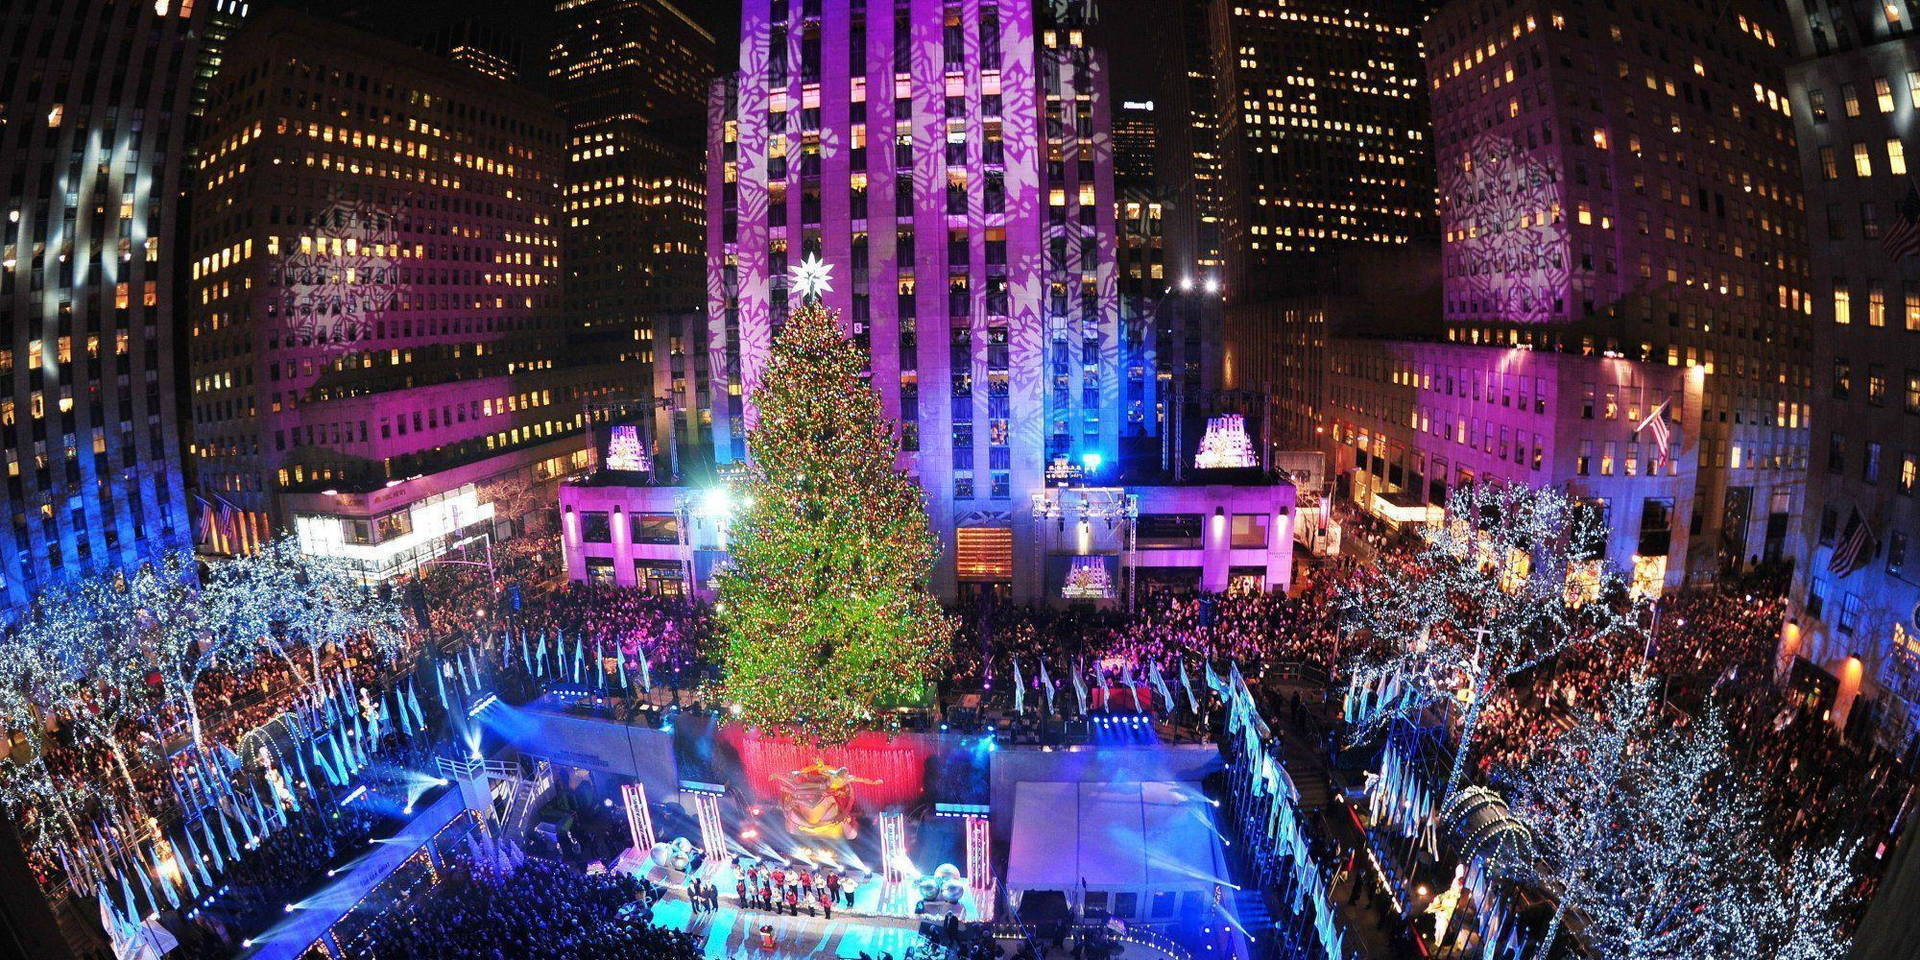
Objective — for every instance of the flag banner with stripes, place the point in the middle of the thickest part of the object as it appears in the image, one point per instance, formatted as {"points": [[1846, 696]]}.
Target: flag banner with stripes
{"points": [[1901, 239], [1656, 423], [1853, 548]]}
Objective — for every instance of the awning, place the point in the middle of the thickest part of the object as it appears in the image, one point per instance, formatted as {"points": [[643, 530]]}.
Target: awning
{"points": [[1142, 836]]}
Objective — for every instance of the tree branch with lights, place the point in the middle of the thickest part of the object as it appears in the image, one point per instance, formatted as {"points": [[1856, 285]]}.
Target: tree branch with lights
{"points": [[1511, 578], [825, 614]]}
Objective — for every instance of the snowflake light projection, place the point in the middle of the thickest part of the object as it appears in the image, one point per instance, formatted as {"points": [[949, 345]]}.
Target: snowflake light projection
{"points": [[340, 276], [1504, 205]]}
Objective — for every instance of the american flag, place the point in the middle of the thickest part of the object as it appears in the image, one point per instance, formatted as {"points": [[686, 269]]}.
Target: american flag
{"points": [[1657, 422], [1854, 546], [1902, 239]]}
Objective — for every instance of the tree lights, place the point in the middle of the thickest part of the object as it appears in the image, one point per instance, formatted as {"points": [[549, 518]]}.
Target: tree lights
{"points": [[825, 616], [1513, 576]]}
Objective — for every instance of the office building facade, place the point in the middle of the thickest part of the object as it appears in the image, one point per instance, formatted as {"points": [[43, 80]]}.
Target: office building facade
{"points": [[631, 79], [1323, 137], [1855, 635], [92, 151], [1605, 195], [378, 354]]}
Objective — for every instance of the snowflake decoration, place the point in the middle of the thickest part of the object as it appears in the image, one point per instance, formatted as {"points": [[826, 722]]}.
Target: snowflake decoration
{"points": [[812, 278]]}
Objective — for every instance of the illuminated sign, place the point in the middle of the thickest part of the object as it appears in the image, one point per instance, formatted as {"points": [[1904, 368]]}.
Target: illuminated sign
{"points": [[1088, 578], [624, 451], [1225, 445], [1064, 471]]}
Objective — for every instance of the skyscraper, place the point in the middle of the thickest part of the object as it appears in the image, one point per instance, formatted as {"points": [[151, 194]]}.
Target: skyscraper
{"points": [[631, 78], [379, 359], [1854, 88], [953, 164], [1606, 198], [92, 146], [1323, 137], [1187, 141]]}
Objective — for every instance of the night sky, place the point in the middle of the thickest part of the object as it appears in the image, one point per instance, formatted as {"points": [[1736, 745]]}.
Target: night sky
{"points": [[1124, 30]]}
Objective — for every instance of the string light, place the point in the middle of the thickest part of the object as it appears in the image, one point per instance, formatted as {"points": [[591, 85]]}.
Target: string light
{"points": [[824, 615]]}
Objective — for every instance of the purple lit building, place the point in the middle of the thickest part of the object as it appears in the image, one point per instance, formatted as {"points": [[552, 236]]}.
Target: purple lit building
{"points": [[379, 359], [952, 162], [1634, 212]]}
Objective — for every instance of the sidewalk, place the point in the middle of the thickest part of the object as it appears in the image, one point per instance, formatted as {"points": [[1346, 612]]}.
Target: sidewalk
{"points": [[1369, 922]]}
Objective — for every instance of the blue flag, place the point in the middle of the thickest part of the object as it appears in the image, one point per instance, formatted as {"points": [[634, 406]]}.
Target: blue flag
{"points": [[413, 703], [126, 892], [226, 830], [213, 846], [182, 858]]}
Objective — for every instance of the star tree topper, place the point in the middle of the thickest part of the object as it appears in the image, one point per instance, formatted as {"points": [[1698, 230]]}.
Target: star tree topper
{"points": [[812, 278]]}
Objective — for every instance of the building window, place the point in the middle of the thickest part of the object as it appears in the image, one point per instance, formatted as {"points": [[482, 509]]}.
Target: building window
{"points": [[1850, 99], [1656, 527], [1896, 157], [1862, 161], [595, 527], [1582, 466], [1249, 531], [1842, 303], [1876, 306], [1876, 385], [1870, 463], [1829, 164], [1849, 613], [1842, 379], [1909, 473], [1836, 453]]}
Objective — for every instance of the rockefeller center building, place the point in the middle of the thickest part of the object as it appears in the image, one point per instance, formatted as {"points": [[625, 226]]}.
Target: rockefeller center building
{"points": [[378, 355], [94, 119], [1618, 187], [953, 164]]}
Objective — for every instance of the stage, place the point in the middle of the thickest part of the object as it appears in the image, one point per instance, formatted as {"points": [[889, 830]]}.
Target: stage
{"points": [[731, 932]]}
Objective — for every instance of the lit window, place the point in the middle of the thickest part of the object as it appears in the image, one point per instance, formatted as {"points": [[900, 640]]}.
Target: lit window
{"points": [[1862, 161], [1883, 94], [1896, 157], [1842, 305]]}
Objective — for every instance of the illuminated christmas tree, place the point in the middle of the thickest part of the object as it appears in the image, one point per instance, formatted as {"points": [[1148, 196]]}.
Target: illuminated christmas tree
{"points": [[824, 611]]}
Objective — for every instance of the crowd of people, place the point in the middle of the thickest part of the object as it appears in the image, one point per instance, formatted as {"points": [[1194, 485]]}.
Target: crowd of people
{"points": [[538, 908], [672, 632], [780, 888], [1167, 628], [281, 869]]}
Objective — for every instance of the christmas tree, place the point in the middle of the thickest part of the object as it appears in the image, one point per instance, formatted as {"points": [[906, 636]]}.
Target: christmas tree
{"points": [[824, 612]]}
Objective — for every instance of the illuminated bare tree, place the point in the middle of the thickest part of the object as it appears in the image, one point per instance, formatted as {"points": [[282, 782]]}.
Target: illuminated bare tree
{"points": [[1512, 577]]}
